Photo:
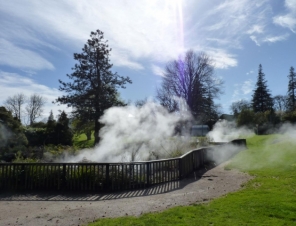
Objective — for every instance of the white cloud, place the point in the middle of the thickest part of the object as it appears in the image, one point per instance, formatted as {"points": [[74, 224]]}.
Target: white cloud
{"points": [[291, 5], [12, 83], [242, 90], [288, 20], [236, 17], [136, 30], [122, 59], [257, 28], [273, 39], [218, 41], [254, 39], [250, 72], [157, 70], [139, 29], [268, 39], [221, 58], [247, 87], [15, 56]]}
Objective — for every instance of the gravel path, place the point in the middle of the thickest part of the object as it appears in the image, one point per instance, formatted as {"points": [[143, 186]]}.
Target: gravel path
{"points": [[73, 209]]}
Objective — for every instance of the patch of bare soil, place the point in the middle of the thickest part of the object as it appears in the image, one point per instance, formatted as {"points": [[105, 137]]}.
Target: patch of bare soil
{"points": [[79, 209]]}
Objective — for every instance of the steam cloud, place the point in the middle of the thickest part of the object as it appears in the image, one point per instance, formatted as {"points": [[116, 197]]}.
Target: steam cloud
{"points": [[132, 134], [225, 131]]}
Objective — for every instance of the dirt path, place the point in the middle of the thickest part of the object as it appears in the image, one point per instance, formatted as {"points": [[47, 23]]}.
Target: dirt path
{"points": [[71, 209]]}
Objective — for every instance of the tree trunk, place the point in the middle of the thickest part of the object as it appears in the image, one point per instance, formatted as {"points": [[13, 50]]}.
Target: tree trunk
{"points": [[88, 135], [97, 130]]}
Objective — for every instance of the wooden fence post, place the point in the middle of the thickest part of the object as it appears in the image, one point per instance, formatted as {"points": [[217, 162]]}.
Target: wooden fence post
{"points": [[23, 178], [180, 169], [107, 176], [148, 173], [64, 177]]}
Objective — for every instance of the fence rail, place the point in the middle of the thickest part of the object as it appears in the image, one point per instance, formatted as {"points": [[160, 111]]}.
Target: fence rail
{"points": [[108, 176]]}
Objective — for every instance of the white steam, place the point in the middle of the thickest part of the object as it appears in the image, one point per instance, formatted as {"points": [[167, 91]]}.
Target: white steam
{"points": [[225, 131], [288, 131], [222, 153], [132, 134]]}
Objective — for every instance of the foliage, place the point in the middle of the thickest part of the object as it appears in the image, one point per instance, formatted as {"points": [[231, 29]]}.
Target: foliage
{"points": [[83, 126], [50, 129], [63, 134], [246, 118], [268, 199], [291, 95], [12, 138], [19, 158], [204, 141], [40, 134], [80, 141], [262, 122], [59, 150], [35, 136], [191, 78], [262, 100], [94, 86], [238, 106], [39, 125], [290, 117]]}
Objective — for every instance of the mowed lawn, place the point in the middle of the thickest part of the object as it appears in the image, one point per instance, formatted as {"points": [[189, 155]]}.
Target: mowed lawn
{"points": [[268, 199]]}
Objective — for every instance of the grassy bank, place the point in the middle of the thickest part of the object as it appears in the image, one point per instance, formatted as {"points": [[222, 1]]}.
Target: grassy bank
{"points": [[81, 141], [268, 199]]}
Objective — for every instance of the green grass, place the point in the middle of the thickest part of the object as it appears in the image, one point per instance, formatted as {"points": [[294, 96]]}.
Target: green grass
{"points": [[81, 142], [268, 199]]}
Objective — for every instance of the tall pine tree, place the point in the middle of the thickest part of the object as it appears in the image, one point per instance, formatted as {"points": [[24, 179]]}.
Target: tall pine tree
{"points": [[50, 130], [94, 86], [262, 100], [62, 131], [291, 95]]}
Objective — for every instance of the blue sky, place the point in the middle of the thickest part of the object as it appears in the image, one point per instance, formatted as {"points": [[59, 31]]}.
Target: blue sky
{"points": [[38, 39]]}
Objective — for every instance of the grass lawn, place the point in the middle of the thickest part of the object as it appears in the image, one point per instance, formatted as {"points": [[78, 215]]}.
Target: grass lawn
{"points": [[81, 142], [268, 199]]}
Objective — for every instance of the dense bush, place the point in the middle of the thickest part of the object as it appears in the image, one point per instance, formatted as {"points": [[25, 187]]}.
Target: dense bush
{"points": [[36, 136], [12, 138]]}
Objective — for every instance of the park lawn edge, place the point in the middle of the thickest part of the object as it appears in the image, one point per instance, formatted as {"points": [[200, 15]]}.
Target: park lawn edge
{"points": [[267, 199]]}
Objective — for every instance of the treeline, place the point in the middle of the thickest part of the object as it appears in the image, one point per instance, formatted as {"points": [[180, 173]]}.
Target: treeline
{"points": [[29, 141], [266, 112], [33, 107], [56, 132]]}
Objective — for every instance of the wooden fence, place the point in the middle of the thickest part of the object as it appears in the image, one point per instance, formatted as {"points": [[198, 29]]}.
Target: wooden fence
{"points": [[106, 176]]}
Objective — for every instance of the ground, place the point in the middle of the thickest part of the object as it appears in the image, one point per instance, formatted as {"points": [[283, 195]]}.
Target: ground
{"points": [[74, 209]]}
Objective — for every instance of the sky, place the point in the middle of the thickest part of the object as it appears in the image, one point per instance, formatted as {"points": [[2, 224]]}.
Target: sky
{"points": [[38, 39]]}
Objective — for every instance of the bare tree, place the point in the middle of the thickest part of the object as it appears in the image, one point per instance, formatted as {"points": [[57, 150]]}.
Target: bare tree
{"points": [[190, 78], [34, 108], [141, 103], [280, 104], [238, 106], [14, 104]]}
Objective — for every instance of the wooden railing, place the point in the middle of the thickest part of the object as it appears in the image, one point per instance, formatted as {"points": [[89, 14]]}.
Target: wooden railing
{"points": [[105, 176]]}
